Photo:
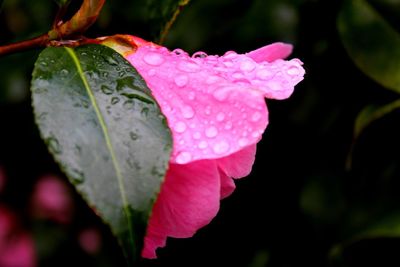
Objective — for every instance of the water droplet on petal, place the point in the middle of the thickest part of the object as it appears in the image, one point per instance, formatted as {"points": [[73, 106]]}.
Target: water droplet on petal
{"points": [[199, 54], [274, 86], [243, 142], [188, 66], [293, 71], [207, 110], [151, 72], [153, 59], [256, 116], [230, 55], [221, 147], [228, 125], [197, 135], [181, 80], [191, 95], [220, 116], [179, 52], [264, 74], [203, 144], [247, 66], [211, 132], [180, 127], [212, 79], [187, 112], [183, 157], [222, 93]]}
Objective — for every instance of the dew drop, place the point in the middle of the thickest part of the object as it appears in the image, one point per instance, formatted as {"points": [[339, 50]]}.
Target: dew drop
{"points": [[211, 132], [105, 74], [181, 80], [212, 79], [230, 55], [264, 74], [187, 112], [64, 72], [293, 71], [179, 52], [145, 111], [153, 59], [183, 157], [199, 54], [203, 144], [180, 127], [222, 93], [274, 86], [228, 125], [256, 116], [197, 135], [114, 100], [151, 72], [207, 110], [220, 116], [188, 66], [221, 147], [53, 145], [243, 142], [247, 66], [106, 90], [191, 95], [129, 104], [134, 136], [77, 176]]}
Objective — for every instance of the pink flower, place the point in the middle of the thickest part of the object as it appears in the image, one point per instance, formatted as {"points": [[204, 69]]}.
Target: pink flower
{"points": [[216, 111], [16, 246], [52, 200]]}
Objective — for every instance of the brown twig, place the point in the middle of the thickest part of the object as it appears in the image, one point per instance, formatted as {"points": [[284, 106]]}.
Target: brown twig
{"points": [[40, 41]]}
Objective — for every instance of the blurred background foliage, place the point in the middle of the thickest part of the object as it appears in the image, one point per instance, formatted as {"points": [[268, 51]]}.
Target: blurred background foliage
{"points": [[325, 188]]}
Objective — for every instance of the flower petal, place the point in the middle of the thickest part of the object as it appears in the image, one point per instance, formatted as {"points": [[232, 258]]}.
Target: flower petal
{"points": [[238, 164], [188, 200], [214, 105], [227, 184], [271, 52]]}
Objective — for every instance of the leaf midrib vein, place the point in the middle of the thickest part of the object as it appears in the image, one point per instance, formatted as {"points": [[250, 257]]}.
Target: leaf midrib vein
{"points": [[107, 138]]}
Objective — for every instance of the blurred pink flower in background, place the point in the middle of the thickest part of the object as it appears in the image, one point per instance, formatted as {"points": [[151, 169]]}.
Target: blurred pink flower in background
{"points": [[2, 179], [16, 246], [51, 199], [90, 240], [216, 110]]}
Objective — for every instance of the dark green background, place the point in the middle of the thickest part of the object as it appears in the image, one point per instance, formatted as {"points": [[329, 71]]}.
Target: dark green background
{"points": [[300, 206]]}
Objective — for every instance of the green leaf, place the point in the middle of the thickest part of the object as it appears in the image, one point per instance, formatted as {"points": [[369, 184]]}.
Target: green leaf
{"points": [[367, 116], [100, 122], [371, 42], [62, 2], [372, 113], [163, 14], [385, 227]]}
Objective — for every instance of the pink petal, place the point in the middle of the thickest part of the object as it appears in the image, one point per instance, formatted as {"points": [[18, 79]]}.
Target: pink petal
{"points": [[238, 164], [271, 52], [188, 200], [227, 185], [214, 105]]}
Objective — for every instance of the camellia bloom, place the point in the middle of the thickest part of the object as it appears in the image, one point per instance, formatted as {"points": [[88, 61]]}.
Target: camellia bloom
{"points": [[216, 110]]}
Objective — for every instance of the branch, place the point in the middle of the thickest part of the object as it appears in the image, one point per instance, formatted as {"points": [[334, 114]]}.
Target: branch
{"points": [[78, 24]]}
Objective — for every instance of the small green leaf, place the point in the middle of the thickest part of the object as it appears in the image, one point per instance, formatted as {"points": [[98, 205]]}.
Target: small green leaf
{"points": [[385, 227], [372, 113], [371, 42], [100, 122], [62, 2], [163, 14]]}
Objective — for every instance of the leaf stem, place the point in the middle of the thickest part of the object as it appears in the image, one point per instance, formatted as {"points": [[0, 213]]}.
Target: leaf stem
{"points": [[40, 41], [60, 32]]}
